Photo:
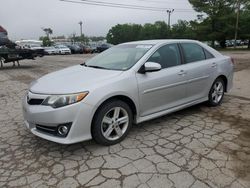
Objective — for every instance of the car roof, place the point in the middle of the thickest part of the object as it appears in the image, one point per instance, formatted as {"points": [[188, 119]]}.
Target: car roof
{"points": [[160, 41]]}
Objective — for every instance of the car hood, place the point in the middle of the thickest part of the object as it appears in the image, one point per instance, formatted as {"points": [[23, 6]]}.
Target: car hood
{"points": [[72, 80]]}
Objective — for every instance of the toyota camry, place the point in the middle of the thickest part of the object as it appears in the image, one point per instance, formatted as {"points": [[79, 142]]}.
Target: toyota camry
{"points": [[127, 84]]}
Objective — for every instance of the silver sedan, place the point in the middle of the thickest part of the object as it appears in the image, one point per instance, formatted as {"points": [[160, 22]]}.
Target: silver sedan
{"points": [[129, 83]]}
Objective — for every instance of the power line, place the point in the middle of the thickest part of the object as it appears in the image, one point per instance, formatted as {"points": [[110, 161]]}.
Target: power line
{"points": [[125, 6], [129, 5], [104, 5], [160, 2], [119, 4]]}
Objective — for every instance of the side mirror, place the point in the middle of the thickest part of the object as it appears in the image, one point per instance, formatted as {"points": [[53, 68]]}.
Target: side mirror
{"points": [[150, 67]]}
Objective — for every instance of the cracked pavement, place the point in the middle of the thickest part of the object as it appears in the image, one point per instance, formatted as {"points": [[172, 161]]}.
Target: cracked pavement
{"points": [[196, 147]]}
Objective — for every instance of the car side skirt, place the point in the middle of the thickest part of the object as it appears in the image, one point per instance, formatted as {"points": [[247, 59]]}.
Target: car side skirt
{"points": [[168, 111]]}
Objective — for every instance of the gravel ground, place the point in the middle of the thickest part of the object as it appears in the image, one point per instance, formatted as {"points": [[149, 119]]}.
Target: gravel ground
{"points": [[196, 147]]}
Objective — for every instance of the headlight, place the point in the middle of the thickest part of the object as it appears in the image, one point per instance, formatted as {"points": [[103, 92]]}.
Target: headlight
{"points": [[57, 101]]}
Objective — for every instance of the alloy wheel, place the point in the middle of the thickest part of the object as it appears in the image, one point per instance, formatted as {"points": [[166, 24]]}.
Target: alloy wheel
{"points": [[217, 92], [115, 123]]}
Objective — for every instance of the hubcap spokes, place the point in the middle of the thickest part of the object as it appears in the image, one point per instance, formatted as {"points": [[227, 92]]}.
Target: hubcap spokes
{"points": [[115, 123], [218, 92]]}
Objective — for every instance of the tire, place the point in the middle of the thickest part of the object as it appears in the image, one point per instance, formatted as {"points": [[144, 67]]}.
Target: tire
{"points": [[216, 92], [111, 122]]}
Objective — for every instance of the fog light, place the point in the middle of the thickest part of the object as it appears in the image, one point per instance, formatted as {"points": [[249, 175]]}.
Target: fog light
{"points": [[63, 130]]}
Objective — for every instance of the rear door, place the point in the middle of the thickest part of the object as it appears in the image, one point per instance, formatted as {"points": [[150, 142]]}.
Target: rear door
{"points": [[200, 66], [166, 88]]}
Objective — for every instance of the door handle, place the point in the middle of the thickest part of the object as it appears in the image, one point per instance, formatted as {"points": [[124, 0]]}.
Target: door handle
{"points": [[214, 65], [182, 72]]}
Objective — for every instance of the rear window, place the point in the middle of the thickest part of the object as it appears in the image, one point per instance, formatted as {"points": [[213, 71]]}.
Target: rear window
{"points": [[192, 52], [208, 54]]}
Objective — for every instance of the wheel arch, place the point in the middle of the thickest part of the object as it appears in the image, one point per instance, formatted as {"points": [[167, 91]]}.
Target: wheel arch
{"points": [[123, 98], [224, 78]]}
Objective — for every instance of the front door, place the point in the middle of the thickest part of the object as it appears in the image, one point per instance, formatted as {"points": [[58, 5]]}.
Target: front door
{"points": [[166, 88]]}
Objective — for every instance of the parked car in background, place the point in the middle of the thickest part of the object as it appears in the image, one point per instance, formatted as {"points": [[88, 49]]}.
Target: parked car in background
{"points": [[93, 48], [50, 50], [34, 45], [229, 43], [102, 47], [36, 48], [75, 49], [62, 49], [129, 83], [86, 49]]}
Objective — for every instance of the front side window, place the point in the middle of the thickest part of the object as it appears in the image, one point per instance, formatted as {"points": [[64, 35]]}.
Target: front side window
{"points": [[167, 56], [192, 52]]}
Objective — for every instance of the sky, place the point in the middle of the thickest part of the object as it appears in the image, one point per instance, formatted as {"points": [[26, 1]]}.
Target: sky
{"points": [[24, 19]]}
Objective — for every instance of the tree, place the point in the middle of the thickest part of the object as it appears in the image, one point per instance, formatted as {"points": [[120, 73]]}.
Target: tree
{"points": [[132, 32], [124, 33], [219, 23], [158, 30], [244, 26], [48, 31], [182, 30], [46, 41]]}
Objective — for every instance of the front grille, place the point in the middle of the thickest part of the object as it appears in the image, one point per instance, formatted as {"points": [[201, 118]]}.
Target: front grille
{"points": [[35, 101]]}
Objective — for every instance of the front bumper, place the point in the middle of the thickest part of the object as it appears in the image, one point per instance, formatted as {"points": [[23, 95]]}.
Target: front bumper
{"points": [[78, 114]]}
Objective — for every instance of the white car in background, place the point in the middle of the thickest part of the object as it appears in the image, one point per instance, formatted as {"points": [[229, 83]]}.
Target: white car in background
{"points": [[50, 50], [62, 49]]}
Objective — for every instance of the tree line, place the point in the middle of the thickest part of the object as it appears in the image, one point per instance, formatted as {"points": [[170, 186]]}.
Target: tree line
{"points": [[216, 22]]}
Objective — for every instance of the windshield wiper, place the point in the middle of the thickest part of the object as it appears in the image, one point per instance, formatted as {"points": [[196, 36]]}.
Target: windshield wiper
{"points": [[93, 66]]}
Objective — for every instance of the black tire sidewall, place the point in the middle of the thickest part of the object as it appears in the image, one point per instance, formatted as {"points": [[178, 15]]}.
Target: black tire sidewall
{"points": [[210, 99], [97, 121]]}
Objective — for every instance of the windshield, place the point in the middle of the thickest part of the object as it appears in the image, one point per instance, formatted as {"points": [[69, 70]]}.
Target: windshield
{"points": [[120, 57]]}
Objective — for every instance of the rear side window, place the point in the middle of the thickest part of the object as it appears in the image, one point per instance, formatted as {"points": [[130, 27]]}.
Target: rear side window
{"points": [[193, 52], [167, 56], [208, 54]]}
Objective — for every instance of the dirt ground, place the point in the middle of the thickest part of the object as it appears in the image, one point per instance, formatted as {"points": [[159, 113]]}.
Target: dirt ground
{"points": [[196, 147]]}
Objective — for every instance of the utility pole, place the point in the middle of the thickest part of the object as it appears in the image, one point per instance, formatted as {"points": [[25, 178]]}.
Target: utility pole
{"points": [[80, 23], [237, 22], [169, 16]]}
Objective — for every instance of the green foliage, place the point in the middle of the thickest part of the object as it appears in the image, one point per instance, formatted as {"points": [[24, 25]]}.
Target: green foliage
{"points": [[216, 22], [132, 32], [46, 41], [182, 30], [244, 22], [219, 23], [124, 33]]}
